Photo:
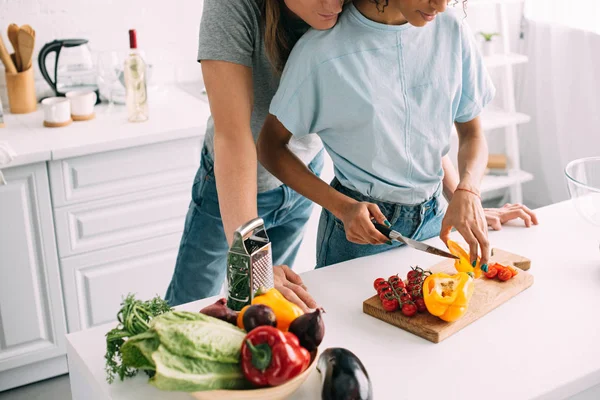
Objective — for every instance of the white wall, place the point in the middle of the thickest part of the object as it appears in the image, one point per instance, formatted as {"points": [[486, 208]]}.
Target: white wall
{"points": [[167, 30]]}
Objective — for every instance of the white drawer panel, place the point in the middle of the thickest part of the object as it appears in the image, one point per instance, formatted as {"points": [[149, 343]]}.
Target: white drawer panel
{"points": [[113, 173], [96, 225], [94, 284]]}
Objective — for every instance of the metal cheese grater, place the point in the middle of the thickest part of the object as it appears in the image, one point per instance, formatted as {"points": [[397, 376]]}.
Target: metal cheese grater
{"points": [[249, 264]]}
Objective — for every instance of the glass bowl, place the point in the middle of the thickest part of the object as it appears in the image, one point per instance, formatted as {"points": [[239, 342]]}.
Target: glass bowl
{"points": [[583, 181]]}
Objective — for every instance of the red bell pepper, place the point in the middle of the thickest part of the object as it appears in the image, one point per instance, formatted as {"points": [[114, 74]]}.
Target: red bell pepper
{"points": [[271, 357]]}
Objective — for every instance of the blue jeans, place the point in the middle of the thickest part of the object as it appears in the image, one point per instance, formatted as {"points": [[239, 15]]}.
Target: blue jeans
{"points": [[419, 222], [201, 263]]}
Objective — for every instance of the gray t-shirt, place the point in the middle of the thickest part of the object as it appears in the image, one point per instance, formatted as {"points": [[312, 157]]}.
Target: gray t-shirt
{"points": [[231, 31]]}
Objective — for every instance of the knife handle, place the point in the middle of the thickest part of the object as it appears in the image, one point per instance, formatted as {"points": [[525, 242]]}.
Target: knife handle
{"points": [[383, 229]]}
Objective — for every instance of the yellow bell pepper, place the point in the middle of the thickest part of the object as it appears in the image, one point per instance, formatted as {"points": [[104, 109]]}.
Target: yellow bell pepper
{"points": [[285, 311], [447, 296], [463, 264]]}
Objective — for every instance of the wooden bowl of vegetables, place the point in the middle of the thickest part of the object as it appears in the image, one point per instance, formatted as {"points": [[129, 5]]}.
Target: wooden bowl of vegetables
{"points": [[269, 393], [278, 352]]}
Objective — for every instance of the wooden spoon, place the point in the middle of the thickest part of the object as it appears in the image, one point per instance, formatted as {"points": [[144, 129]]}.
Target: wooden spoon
{"points": [[5, 57], [26, 44], [13, 33]]}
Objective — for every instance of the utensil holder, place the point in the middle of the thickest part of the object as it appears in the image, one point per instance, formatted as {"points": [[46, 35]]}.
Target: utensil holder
{"points": [[21, 92]]}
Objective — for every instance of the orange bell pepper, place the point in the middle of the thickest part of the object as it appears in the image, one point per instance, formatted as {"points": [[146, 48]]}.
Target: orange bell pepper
{"points": [[463, 264], [447, 296]]}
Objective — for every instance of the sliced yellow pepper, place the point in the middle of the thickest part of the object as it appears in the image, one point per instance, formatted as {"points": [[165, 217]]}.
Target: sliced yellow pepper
{"points": [[447, 296], [285, 311], [463, 264]]}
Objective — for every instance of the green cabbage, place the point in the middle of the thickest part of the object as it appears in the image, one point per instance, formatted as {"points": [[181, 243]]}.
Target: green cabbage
{"points": [[188, 352]]}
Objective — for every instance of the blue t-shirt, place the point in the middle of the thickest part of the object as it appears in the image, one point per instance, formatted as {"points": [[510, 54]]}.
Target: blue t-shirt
{"points": [[383, 99]]}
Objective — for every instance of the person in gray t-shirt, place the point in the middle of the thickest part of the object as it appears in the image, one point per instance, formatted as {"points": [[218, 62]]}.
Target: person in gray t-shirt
{"points": [[243, 47]]}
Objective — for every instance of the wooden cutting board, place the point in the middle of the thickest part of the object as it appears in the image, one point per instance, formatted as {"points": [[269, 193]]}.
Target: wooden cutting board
{"points": [[488, 294]]}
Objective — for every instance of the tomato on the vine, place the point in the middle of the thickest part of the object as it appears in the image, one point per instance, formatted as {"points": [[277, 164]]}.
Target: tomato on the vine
{"points": [[409, 309], [390, 305], [378, 282], [412, 274], [386, 287], [405, 297], [399, 284], [421, 307], [411, 287]]}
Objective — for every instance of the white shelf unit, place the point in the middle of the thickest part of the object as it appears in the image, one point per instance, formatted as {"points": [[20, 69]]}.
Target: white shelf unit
{"points": [[507, 118]]}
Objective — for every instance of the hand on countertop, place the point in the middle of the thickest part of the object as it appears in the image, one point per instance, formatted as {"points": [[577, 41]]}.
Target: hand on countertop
{"points": [[496, 217], [292, 288]]}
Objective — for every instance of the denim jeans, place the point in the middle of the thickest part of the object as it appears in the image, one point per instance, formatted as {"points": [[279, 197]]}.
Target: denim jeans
{"points": [[200, 268], [419, 222]]}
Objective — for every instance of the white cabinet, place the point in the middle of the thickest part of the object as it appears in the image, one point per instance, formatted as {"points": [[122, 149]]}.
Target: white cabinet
{"points": [[79, 234], [119, 217], [95, 283], [32, 323]]}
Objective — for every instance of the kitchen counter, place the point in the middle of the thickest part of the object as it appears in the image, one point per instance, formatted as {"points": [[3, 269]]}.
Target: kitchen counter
{"points": [[174, 114], [542, 344]]}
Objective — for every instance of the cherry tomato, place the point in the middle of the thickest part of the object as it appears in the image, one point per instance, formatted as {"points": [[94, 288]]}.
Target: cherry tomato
{"points": [[381, 284], [385, 287], [387, 295], [409, 309], [421, 307], [405, 297], [412, 274], [492, 272], [416, 294], [399, 284], [383, 293], [390, 305], [504, 274], [393, 278], [378, 282], [411, 287]]}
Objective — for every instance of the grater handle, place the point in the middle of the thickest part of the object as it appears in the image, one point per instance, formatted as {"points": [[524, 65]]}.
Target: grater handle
{"points": [[251, 226]]}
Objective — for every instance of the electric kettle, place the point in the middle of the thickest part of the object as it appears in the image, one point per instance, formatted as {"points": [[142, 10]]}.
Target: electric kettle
{"points": [[73, 66]]}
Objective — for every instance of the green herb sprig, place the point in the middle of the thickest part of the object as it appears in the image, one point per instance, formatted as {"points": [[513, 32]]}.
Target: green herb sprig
{"points": [[133, 318]]}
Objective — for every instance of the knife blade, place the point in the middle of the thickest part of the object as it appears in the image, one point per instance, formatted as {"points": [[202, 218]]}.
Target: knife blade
{"points": [[394, 235]]}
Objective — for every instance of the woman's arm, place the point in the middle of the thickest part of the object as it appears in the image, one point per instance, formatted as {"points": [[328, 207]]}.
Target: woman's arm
{"points": [[229, 89], [465, 212], [276, 157]]}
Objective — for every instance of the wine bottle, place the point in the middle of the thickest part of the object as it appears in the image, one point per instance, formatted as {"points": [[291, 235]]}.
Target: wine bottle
{"points": [[135, 82]]}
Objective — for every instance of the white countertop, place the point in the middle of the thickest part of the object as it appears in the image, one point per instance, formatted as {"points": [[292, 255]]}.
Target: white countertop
{"points": [[174, 114], [550, 332]]}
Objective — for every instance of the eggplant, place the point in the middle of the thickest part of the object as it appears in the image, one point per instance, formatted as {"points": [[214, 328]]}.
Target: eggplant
{"points": [[258, 315], [343, 376], [220, 310], [309, 328]]}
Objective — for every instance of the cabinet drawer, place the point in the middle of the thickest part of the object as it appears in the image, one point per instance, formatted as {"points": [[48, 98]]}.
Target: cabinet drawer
{"points": [[92, 177], [100, 224], [94, 284]]}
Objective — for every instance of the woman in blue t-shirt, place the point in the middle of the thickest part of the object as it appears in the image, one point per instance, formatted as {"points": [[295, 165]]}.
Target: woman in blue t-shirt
{"points": [[382, 89], [243, 46]]}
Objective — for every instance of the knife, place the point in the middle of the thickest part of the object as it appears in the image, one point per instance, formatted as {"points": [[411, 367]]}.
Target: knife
{"points": [[394, 235]]}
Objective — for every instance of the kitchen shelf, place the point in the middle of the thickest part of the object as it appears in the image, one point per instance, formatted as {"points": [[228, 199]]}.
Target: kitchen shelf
{"points": [[501, 60], [495, 182], [495, 118]]}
